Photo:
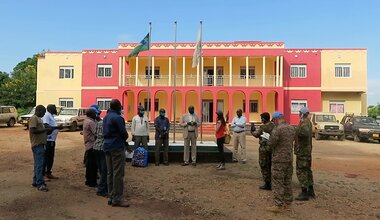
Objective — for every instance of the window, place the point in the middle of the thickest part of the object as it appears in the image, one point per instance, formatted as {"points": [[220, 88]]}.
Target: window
{"points": [[343, 70], [103, 103], [253, 106], [336, 107], [156, 72], [296, 105], [66, 102], [155, 105], [251, 73], [104, 70], [298, 71], [66, 72]]}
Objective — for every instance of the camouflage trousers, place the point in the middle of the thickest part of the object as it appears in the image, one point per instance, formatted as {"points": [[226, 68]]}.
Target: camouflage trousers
{"points": [[282, 173], [265, 161], [304, 173]]}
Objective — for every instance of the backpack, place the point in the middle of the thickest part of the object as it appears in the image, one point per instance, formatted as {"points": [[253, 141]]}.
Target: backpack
{"points": [[140, 157]]}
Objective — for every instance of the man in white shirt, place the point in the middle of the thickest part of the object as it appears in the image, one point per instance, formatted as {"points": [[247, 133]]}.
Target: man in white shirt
{"points": [[50, 144], [238, 127], [140, 129], [190, 123]]}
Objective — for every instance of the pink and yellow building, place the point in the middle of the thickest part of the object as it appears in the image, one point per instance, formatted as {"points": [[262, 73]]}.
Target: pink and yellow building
{"points": [[255, 76]]}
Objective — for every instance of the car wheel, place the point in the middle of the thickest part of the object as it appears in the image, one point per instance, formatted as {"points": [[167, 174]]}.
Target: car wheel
{"points": [[317, 136], [356, 138], [341, 137], [11, 122], [73, 126]]}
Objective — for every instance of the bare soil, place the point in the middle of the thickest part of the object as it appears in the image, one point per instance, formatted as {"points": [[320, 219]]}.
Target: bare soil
{"points": [[346, 173]]}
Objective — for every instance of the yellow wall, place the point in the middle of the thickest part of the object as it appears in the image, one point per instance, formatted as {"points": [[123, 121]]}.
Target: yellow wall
{"points": [[358, 61], [49, 87], [352, 102]]}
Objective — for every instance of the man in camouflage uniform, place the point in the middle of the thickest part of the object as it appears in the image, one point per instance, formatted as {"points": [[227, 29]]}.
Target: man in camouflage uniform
{"points": [[281, 144], [265, 155], [302, 150]]}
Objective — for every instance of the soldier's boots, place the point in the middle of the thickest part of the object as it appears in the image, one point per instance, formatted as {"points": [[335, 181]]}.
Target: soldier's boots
{"points": [[303, 196], [266, 186], [311, 192]]}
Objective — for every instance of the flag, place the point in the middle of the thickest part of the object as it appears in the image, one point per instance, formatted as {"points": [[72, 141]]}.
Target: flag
{"points": [[144, 45], [197, 51]]}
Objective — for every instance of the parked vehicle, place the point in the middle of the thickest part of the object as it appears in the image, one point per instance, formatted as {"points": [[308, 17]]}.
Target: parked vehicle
{"points": [[24, 119], [8, 115], [325, 125], [71, 118], [361, 128]]}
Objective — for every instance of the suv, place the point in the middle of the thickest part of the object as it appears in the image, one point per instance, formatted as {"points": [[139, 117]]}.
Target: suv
{"points": [[8, 115], [326, 125], [361, 128], [24, 119], [71, 118]]}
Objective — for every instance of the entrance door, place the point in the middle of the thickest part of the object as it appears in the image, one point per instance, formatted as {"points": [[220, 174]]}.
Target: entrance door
{"points": [[207, 112]]}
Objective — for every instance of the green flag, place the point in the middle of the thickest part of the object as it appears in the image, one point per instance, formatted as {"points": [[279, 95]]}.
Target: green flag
{"points": [[144, 45]]}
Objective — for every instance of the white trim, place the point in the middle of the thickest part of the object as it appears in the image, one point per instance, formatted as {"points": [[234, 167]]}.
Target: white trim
{"points": [[337, 102], [103, 66], [298, 66], [66, 100], [100, 87], [64, 68], [343, 65], [103, 100], [297, 101], [302, 88]]}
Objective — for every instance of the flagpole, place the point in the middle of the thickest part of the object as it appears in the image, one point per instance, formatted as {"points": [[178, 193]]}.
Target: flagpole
{"points": [[201, 80], [149, 71], [175, 77]]}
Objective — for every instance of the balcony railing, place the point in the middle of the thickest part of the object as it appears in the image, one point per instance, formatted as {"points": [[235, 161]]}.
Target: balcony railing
{"points": [[208, 80]]}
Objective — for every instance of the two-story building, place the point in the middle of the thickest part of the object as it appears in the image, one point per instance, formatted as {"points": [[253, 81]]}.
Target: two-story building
{"points": [[254, 76]]}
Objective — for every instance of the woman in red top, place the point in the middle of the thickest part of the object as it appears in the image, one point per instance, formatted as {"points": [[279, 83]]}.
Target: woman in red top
{"points": [[220, 132]]}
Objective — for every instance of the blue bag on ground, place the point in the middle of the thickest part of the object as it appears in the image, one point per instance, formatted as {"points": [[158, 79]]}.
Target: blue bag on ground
{"points": [[140, 157]]}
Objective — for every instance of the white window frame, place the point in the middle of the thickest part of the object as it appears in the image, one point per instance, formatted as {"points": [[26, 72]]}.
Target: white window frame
{"points": [[342, 67], [102, 103], [336, 103], [295, 70], [251, 72], [66, 100], [104, 67], [64, 69], [300, 103]]}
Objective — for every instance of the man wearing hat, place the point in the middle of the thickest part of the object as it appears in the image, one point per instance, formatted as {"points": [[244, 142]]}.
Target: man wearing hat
{"points": [[281, 144], [302, 150], [265, 155], [140, 129]]}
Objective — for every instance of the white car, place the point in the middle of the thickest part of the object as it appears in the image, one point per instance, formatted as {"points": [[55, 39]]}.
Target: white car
{"points": [[71, 118]]}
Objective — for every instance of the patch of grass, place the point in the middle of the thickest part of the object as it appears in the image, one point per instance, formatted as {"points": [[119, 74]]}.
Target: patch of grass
{"points": [[207, 213]]}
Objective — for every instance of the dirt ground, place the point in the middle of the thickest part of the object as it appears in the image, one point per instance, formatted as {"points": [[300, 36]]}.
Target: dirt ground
{"points": [[347, 184]]}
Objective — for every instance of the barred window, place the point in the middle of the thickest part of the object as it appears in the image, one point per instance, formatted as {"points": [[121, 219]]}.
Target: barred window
{"points": [[298, 71], [104, 103], [296, 105], [66, 72], [342, 70], [104, 70]]}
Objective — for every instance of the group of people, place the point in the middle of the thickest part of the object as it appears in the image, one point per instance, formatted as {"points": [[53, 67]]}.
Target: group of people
{"points": [[106, 140]]}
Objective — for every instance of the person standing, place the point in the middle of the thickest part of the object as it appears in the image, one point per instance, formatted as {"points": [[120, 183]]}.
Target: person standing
{"points": [[140, 129], [50, 144], [115, 136], [38, 138], [190, 123], [281, 145], [265, 155], [162, 126], [100, 159], [302, 150], [220, 134], [238, 126], [89, 132]]}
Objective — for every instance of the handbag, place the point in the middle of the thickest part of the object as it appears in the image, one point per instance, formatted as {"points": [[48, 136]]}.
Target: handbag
{"points": [[227, 136]]}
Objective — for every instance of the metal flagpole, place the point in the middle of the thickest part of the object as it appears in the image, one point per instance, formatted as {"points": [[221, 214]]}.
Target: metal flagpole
{"points": [[201, 81], [175, 76], [149, 71]]}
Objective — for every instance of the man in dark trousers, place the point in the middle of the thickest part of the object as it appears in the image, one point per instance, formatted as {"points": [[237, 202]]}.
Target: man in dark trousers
{"points": [[162, 126], [115, 135]]}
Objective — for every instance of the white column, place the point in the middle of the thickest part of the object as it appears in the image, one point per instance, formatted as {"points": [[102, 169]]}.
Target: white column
{"points": [[170, 71], [277, 69], [264, 70], [137, 72], [152, 71], [183, 70], [214, 71], [120, 63], [123, 66], [230, 71], [246, 70], [281, 69], [202, 75]]}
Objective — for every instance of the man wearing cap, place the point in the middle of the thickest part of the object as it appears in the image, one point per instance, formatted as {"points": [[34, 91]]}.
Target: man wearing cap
{"points": [[302, 150], [162, 126], [140, 129], [265, 155], [190, 123], [281, 144], [238, 126]]}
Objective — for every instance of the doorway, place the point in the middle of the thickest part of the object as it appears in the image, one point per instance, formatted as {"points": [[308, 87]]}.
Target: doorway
{"points": [[207, 111]]}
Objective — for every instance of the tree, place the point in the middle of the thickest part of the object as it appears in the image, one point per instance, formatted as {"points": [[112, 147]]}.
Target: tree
{"points": [[374, 111]]}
